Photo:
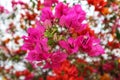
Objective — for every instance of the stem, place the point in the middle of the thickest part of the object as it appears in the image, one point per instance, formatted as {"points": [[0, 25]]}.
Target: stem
{"points": [[45, 75]]}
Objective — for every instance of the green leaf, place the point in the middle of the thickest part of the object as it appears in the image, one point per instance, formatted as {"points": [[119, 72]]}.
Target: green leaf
{"points": [[116, 63], [15, 58], [29, 66], [117, 34], [50, 42], [48, 34], [64, 1], [33, 4]]}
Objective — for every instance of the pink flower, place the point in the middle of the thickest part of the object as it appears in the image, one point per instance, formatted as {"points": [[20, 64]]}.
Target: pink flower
{"points": [[74, 18], [85, 42], [60, 10], [70, 45], [90, 45], [39, 51], [42, 46], [53, 60], [62, 20], [33, 56], [96, 49], [34, 35], [2, 10], [46, 14], [40, 27], [29, 44], [79, 28], [49, 3], [47, 24], [78, 10]]}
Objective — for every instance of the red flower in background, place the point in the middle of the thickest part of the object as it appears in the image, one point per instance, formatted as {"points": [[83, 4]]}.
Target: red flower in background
{"points": [[99, 4], [108, 67], [113, 45], [69, 71], [38, 4], [2, 10], [53, 60], [31, 16]]}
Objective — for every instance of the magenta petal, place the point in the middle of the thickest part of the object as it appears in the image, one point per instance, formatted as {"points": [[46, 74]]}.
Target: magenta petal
{"points": [[71, 45], [46, 14], [58, 57], [29, 44], [54, 59], [64, 44], [60, 10], [33, 56]]}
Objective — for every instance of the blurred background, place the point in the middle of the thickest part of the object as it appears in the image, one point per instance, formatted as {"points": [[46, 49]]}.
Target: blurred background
{"points": [[16, 16]]}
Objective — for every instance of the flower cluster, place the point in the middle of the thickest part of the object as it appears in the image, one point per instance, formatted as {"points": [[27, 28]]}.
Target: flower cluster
{"points": [[66, 29], [67, 71], [3, 10]]}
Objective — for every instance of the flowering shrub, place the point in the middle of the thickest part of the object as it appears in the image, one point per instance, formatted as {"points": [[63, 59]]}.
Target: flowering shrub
{"points": [[45, 37], [60, 40]]}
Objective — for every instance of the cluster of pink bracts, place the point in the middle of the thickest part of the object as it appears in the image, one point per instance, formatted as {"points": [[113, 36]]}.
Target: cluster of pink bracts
{"points": [[65, 27]]}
